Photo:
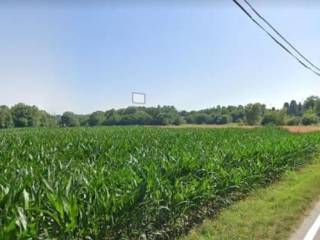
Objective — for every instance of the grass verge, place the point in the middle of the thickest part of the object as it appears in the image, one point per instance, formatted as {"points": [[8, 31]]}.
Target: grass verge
{"points": [[270, 213]]}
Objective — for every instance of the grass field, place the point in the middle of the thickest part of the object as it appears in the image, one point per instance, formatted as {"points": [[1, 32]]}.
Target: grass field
{"points": [[271, 213], [134, 182]]}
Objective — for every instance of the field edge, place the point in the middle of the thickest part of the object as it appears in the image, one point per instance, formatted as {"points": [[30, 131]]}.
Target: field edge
{"points": [[270, 213]]}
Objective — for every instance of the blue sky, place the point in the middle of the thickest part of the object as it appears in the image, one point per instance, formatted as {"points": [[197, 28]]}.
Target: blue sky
{"points": [[89, 57]]}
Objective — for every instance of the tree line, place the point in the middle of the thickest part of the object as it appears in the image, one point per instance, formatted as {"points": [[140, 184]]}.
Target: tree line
{"points": [[292, 113]]}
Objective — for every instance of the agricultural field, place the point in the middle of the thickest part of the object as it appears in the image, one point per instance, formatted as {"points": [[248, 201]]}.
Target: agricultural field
{"points": [[134, 182]]}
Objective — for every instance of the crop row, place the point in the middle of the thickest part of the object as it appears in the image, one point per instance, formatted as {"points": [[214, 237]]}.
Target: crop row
{"points": [[131, 182]]}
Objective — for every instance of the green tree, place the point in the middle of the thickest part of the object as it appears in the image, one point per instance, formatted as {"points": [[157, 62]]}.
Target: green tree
{"points": [[223, 119], [310, 103], [25, 116], [201, 118], [317, 107], [83, 119], [69, 119], [237, 114], [5, 117], [178, 121], [126, 119], [96, 118], [141, 117], [273, 118], [293, 108], [293, 121], [285, 107], [309, 119], [253, 113], [130, 110], [166, 118], [300, 108], [112, 117], [46, 120]]}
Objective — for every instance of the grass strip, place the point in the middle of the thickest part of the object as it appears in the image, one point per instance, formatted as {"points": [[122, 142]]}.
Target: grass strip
{"points": [[273, 212]]}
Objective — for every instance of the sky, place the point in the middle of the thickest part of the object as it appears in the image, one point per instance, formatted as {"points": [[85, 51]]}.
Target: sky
{"points": [[91, 55]]}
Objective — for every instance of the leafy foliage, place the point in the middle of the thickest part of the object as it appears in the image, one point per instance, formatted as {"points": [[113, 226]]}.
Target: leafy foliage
{"points": [[309, 118], [273, 118], [22, 115], [254, 113], [69, 119], [5, 117], [133, 182], [96, 118]]}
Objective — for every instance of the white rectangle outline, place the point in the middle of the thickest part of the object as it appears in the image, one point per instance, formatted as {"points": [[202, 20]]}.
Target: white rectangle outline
{"points": [[138, 93]]}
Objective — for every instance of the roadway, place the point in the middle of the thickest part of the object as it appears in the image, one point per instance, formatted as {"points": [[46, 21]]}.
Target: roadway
{"points": [[310, 228]]}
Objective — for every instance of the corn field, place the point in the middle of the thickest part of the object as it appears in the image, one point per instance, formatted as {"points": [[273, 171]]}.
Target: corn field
{"points": [[134, 182]]}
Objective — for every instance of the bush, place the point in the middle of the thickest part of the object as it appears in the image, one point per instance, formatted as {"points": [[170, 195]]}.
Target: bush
{"points": [[96, 118], [273, 118], [223, 119], [178, 121], [293, 121], [309, 119], [201, 118], [69, 119]]}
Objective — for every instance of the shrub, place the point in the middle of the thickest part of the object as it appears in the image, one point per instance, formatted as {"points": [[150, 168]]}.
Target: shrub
{"points": [[309, 119], [293, 121], [223, 119], [273, 118]]}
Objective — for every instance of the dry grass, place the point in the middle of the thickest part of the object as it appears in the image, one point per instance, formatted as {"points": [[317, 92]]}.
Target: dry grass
{"points": [[302, 129], [293, 129], [271, 213]]}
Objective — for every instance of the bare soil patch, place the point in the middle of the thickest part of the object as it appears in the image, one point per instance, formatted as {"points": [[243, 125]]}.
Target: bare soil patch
{"points": [[302, 129]]}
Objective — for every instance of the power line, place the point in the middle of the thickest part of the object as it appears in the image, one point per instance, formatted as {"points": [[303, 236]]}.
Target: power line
{"points": [[276, 40], [280, 35]]}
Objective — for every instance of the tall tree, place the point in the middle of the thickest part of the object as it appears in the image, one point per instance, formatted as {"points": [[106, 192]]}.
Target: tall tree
{"points": [[273, 118], [317, 107], [25, 116], [293, 108], [310, 102], [112, 117], [5, 117], [46, 120], [254, 113], [300, 108], [69, 119], [285, 107], [96, 118]]}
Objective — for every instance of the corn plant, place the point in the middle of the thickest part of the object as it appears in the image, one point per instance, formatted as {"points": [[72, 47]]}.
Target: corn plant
{"points": [[134, 182]]}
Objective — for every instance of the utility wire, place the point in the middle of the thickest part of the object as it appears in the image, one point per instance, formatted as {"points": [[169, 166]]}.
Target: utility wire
{"points": [[280, 35], [274, 39]]}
